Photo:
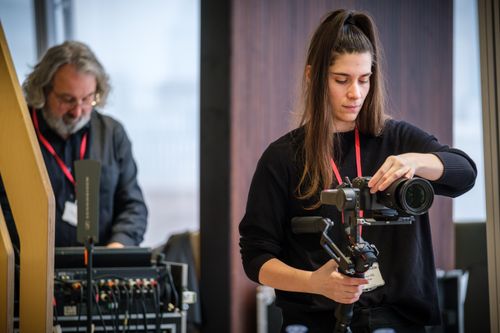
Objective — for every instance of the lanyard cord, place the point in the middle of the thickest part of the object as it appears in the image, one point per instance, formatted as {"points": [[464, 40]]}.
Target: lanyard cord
{"points": [[64, 168], [358, 159], [359, 172]]}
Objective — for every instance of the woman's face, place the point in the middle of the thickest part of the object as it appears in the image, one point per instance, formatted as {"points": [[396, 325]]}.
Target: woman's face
{"points": [[348, 85]]}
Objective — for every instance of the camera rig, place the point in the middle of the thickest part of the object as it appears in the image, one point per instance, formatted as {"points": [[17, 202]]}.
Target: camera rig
{"points": [[398, 204]]}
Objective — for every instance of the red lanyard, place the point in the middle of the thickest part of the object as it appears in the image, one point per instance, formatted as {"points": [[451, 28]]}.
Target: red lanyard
{"points": [[51, 150], [358, 159], [358, 165]]}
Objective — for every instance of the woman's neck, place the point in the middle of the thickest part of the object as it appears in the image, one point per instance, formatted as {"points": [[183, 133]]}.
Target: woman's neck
{"points": [[343, 127]]}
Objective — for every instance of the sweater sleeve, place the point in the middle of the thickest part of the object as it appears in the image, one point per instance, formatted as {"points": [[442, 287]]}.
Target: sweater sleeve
{"points": [[459, 174], [261, 229], [460, 171]]}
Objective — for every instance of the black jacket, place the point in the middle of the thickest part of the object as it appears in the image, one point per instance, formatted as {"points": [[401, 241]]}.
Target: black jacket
{"points": [[122, 211]]}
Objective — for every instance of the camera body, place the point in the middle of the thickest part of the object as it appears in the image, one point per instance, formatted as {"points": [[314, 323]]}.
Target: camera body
{"points": [[404, 197]]}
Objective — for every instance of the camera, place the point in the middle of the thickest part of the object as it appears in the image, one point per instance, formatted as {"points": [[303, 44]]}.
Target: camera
{"points": [[406, 197]]}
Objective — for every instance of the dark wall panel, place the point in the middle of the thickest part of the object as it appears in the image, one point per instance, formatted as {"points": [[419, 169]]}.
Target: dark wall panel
{"points": [[215, 166]]}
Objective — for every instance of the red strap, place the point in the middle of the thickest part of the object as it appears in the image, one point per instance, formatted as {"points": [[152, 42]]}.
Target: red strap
{"points": [[83, 146], [358, 153], [336, 171], [357, 147], [51, 150]]}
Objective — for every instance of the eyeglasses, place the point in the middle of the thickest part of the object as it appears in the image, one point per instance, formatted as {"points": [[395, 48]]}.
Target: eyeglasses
{"points": [[71, 102]]}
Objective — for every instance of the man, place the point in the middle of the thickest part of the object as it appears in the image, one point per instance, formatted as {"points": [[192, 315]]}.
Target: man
{"points": [[62, 93]]}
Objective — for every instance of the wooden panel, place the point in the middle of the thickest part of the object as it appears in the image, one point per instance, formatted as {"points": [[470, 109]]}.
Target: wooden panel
{"points": [[31, 199], [418, 42], [269, 41], [489, 37], [6, 279]]}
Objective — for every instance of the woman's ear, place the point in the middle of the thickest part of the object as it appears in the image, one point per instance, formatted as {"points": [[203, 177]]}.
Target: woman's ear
{"points": [[308, 73]]}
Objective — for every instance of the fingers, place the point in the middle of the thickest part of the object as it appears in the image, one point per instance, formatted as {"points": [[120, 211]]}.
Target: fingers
{"points": [[392, 169], [349, 289], [351, 292], [350, 281], [409, 174], [329, 282], [350, 297], [389, 177]]}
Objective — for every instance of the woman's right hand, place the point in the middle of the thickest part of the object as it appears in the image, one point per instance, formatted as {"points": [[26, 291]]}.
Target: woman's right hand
{"points": [[329, 282]]}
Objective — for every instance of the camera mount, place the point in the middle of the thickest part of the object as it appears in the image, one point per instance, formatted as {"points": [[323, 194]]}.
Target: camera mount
{"points": [[396, 205]]}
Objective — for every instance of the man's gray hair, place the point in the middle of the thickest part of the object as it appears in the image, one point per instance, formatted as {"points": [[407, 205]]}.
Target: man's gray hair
{"points": [[39, 83]]}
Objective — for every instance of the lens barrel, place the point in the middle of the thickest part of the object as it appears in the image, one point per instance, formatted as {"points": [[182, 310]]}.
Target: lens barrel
{"points": [[411, 196]]}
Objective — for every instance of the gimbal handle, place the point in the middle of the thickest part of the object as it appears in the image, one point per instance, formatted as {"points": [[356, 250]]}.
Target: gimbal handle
{"points": [[349, 265]]}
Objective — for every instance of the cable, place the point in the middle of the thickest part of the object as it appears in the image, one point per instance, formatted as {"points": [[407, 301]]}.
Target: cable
{"points": [[156, 299], [72, 285], [172, 285], [134, 303], [171, 297], [115, 311], [98, 306], [143, 302], [127, 309], [79, 308], [118, 301]]}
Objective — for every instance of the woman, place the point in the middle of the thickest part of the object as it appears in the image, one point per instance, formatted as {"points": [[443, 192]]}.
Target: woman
{"points": [[344, 132]]}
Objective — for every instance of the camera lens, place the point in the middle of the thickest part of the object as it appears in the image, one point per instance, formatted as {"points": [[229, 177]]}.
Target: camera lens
{"points": [[410, 196], [415, 196]]}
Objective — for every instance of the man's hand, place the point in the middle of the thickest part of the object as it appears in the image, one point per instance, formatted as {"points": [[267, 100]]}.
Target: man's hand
{"points": [[115, 245]]}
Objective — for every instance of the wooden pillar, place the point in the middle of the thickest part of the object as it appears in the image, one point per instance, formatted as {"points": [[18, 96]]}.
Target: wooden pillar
{"points": [[253, 54], [6, 279], [489, 37], [31, 200]]}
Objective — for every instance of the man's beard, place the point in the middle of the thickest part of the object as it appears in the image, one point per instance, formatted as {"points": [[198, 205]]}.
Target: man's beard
{"points": [[64, 130]]}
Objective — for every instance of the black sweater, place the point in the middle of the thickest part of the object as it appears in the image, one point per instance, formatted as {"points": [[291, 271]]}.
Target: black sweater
{"points": [[406, 257]]}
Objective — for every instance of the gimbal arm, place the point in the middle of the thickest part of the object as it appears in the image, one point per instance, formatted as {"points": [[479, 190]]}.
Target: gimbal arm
{"points": [[315, 224], [363, 255]]}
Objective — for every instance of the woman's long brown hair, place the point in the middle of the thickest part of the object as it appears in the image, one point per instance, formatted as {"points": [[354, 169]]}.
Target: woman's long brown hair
{"points": [[341, 32]]}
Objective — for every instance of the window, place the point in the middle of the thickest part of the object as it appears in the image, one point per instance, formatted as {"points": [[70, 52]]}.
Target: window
{"points": [[467, 119], [151, 52], [17, 22]]}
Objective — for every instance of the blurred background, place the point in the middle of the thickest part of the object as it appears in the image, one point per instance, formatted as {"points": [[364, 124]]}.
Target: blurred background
{"points": [[165, 59]]}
